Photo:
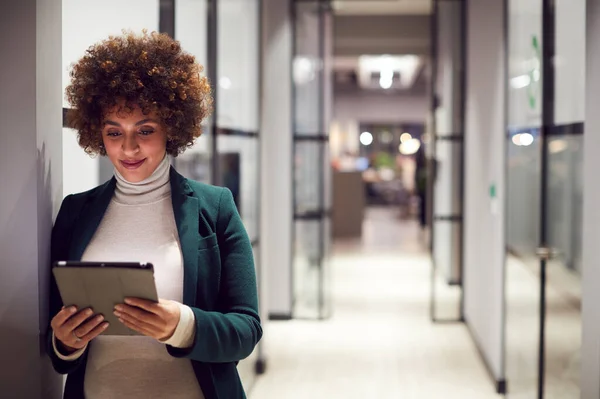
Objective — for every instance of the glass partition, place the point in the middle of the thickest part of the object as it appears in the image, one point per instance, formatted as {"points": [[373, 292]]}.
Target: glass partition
{"points": [[311, 168], [236, 122], [546, 82]]}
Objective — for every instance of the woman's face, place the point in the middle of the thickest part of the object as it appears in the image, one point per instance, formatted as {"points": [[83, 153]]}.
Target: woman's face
{"points": [[135, 143]]}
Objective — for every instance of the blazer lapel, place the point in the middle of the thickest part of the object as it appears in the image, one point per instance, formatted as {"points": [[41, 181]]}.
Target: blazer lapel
{"points": [[90, 217], [185, 209]]}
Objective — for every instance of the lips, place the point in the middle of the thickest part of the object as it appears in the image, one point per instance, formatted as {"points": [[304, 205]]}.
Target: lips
{"points": [[132, 164]]}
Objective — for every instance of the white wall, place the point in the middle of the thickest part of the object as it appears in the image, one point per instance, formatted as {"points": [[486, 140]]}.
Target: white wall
{"points": [[485, 149], [382, 108], [30, 171], [276, 156], [590, 352]]}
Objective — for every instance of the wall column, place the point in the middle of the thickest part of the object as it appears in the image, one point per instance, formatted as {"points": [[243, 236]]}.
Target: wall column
{"points": [[31, 176]]}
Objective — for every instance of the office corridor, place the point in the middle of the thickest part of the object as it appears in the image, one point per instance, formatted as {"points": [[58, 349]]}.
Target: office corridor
{"points": [[380, 342]]}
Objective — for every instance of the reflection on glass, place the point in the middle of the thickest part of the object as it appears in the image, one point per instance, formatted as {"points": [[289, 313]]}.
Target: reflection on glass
{"points": [[239, 170], [307, 175], [522, 267], [311, 271], [564, 218]]}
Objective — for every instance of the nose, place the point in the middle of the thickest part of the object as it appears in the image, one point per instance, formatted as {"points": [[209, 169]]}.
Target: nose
{"points": [[130, 145]]}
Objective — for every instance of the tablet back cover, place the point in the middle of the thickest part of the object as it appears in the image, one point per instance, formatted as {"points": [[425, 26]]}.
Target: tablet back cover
{"points": [[101, 288]]}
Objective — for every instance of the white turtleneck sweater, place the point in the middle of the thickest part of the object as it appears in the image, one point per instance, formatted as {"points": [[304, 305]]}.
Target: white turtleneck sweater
{"points": [[139, 226]]}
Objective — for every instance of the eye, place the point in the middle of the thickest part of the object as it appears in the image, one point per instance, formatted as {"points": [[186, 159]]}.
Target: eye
{"points": [[113, 134], [146, 132]]}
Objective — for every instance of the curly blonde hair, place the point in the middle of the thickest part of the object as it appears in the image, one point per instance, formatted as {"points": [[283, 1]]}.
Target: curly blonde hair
{"points": [[148, 70]]}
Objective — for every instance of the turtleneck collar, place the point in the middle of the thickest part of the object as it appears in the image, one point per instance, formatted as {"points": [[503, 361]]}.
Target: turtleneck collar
{"points": [[152, 189]]}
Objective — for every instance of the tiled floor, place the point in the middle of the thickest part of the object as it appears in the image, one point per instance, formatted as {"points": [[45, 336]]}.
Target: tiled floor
{"points": [[380, 342]]}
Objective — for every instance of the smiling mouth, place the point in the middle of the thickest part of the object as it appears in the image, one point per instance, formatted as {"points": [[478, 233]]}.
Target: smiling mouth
{"points": [[132, 164]]}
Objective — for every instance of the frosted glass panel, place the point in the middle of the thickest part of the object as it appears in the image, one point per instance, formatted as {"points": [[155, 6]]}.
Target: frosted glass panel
{"points": [[524, 175], [569, 105], [191, 20], [86, 22], [524, 63], [237, 65], [307, 68], [308, 173]]}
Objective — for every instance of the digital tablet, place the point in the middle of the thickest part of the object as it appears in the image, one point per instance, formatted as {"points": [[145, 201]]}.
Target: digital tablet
{"points": [[102, 285]]}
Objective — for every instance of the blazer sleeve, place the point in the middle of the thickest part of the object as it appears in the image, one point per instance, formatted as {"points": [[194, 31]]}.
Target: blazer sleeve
{"points": [[59, 250], [230, 334]]}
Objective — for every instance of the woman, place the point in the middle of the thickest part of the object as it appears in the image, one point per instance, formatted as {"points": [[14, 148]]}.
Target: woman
{"points": [[136, 100]]}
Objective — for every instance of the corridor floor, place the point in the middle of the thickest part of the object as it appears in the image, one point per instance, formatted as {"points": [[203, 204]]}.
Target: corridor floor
{"points": [[380, 342]]}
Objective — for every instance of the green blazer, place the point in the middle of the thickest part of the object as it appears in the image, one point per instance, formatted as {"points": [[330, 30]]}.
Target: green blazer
{"points": [[219, 280]]}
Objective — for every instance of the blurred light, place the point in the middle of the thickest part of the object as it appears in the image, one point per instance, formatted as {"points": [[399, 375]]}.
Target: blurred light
{"points": [[225, 83], [516, 139], [405, 137], [526, 139], [536, 75], [520, 82], [366, 138], [410, 147], [557, 146], [304, 70], [523, 139], [362, 164], [386, 83], [386, 174], [386, 137]]}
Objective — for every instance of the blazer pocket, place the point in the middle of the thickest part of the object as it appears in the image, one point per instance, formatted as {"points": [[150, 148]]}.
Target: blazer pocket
{"points": [[207, 242]]}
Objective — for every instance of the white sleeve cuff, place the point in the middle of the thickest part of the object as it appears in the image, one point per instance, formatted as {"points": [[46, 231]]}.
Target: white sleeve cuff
{"points": [[69, 358], [183, 337]]}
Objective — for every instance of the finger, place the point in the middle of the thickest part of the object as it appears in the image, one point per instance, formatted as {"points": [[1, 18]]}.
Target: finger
{"points": [[138, 313], [148, 306], [137, 328], [85, 328], [139, 323], [76, 320], [95, 332], [61, 317]]}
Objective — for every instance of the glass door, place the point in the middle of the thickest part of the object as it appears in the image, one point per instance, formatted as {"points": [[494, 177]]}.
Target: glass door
{"points": [[311, 168], [545, 113]]}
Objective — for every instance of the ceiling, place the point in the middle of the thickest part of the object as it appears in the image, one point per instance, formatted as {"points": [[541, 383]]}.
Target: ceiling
{"points": [[397, 34], [382, 7]]}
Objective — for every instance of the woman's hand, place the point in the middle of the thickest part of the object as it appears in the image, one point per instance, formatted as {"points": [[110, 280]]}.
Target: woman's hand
{"points": [[156, 320], [75, 329]]}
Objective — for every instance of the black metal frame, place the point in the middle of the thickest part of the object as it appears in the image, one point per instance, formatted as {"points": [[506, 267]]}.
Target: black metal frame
{"points": [[321, 138], [548, 74]]}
